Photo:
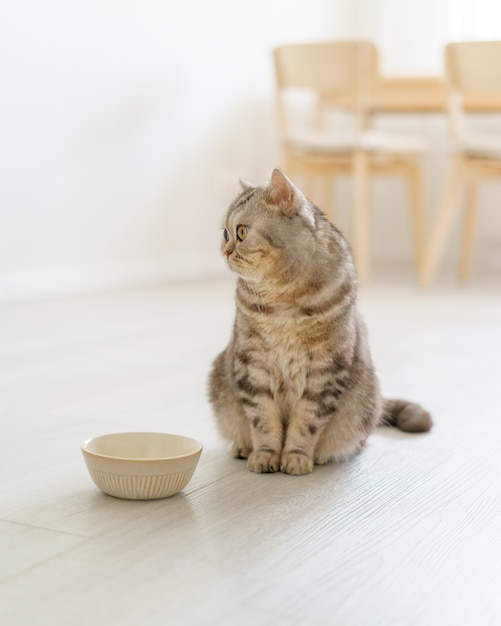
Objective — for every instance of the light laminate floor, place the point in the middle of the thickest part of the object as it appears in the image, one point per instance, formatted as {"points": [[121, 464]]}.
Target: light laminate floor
{"points": [[408, 533]]}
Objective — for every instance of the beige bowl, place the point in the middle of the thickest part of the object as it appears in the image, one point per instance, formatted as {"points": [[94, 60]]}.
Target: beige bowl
{"points": [[141, 466]]}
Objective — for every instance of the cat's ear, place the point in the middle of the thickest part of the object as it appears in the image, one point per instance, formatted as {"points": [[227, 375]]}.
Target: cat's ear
{"points": [[245, 185], [280, 192]]}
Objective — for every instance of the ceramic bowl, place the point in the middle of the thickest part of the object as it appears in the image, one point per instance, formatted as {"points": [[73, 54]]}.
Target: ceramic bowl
{"points": [[141, 466]]}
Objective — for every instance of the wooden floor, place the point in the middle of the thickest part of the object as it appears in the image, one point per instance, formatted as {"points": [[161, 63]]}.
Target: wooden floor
{"points": [[407, 533]]}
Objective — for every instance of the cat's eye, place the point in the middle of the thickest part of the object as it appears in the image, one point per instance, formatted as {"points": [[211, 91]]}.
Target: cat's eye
{"points": [[226, 237], [242, 232]]}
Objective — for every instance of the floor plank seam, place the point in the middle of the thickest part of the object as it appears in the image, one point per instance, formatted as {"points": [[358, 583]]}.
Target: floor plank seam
{"points": [[45, 528]]}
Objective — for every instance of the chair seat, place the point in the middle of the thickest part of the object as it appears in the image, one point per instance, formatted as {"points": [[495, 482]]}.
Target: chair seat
{"points": [[488, 146], [326, 141]]}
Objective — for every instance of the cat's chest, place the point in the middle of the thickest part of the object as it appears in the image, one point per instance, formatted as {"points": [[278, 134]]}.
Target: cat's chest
{"points": [[281, 351], [285, 351]]}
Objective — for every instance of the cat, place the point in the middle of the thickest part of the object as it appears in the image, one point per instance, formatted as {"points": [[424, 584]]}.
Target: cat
{"points": [[296, 385]]}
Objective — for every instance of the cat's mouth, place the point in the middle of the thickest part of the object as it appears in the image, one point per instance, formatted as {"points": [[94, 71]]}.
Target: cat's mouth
{"points": [[235, 262], [234, 258], [238, 265]]}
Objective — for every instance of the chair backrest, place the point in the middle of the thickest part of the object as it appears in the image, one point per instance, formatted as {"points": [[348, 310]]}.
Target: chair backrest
{"points": [[472, 68], [337, 71]]}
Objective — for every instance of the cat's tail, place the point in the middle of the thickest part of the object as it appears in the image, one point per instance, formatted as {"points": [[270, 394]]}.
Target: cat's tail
{"points": [[407, 416]]}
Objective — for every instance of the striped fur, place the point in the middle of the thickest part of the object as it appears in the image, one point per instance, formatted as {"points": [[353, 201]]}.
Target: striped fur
{"points": [[296, 385]]}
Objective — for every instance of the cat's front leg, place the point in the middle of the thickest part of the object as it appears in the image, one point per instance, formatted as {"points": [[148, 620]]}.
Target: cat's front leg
{"points": [[267, 433], [303, 431]]}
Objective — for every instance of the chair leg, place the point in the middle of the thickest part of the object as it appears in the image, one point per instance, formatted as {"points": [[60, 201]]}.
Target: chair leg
{"points": [[361, 214], [443, 219], [464, 266], [415, 193]]}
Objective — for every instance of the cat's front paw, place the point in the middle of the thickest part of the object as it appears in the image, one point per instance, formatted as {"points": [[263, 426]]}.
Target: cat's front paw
{"points": [[296, 463], [262, 461]]}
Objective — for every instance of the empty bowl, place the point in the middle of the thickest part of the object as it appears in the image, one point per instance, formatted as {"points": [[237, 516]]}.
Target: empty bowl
{"points": [[141, 466]]}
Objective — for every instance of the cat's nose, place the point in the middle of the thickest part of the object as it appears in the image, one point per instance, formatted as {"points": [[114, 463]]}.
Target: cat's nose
{"points": [[228, 251]]}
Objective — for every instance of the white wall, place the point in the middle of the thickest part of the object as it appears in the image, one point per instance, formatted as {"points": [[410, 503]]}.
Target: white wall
{"points": [[125, 124]]}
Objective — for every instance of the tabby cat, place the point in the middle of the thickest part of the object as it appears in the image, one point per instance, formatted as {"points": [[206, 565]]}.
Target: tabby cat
{"points": [[296, 385]]}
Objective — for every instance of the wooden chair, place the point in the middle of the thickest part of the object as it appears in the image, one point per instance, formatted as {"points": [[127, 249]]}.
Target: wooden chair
{"points": [[343, 75], [472, 71]]}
